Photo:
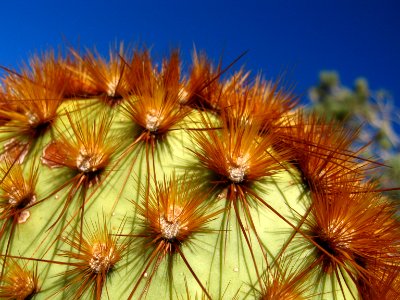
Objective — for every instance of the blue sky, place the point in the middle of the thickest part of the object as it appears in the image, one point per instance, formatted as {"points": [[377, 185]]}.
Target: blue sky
{"points": [[300, 38]]}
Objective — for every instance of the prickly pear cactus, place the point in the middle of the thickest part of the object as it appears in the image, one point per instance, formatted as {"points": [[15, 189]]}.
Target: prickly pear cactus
{"points": [[124, 178]]}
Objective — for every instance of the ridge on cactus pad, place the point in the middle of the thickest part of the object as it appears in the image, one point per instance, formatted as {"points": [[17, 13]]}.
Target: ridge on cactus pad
{"points": [[128, 178]]}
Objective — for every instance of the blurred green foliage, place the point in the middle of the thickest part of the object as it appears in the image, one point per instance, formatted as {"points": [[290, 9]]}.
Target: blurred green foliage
{"points": [[373, 114]]}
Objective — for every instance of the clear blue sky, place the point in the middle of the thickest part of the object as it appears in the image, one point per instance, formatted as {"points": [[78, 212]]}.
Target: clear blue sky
{"points": [[356, 38]]}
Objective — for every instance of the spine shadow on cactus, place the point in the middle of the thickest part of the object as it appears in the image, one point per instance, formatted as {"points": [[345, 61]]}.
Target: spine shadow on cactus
{"points": [[125, 179]]}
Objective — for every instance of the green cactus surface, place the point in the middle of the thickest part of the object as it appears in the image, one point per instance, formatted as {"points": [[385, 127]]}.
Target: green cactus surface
{"points": [[128, 178]]}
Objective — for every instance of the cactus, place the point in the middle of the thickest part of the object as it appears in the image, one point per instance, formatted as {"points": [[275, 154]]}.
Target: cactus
{"points": [[125, 179]]}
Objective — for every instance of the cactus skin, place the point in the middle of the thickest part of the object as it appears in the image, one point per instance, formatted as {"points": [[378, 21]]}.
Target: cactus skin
{"points": [[124, 180]]}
